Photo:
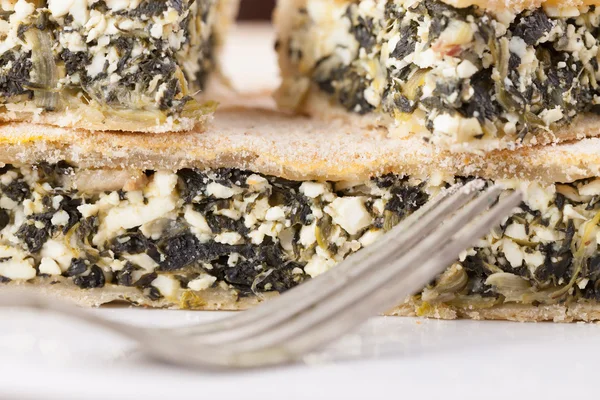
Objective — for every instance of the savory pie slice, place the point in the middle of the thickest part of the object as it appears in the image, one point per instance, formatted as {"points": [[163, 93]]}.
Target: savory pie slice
{"points": [[109, 65], [466, 75], [262, 201]]}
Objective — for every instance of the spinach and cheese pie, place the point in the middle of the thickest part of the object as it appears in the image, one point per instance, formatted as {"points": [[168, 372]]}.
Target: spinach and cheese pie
{"points": [[226, 218], [132, 65], [465, 74]]}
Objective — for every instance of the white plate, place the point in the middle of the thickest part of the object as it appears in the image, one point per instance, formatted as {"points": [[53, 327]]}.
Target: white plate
{"points": [[47, 357]]}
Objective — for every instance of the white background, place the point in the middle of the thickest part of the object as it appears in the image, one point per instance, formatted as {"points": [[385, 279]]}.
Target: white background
{"points": [[49, 357]]}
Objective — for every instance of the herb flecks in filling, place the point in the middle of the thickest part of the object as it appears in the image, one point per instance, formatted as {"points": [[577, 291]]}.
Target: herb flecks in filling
{"points": [[457, 74], [167, 234], [139, 62]]}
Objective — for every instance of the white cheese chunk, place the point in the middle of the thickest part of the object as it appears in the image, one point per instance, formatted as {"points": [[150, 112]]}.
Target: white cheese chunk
{"points": [[313, 189], [132, 216], [117, 265], [534, 259], [455, 125], [582, 283], [49, 266], [156, 31], [167, 285], [221, 191], [569, 212], [97, 65], [518, 46], [538, 197], [512, 252], [590, 189], [233, 259], [308, 235], [552, 115], [23, 9], [88, 210], [142, 260], [61, 218], [370, 236], [466, 69], [58, 8], [196, 220], [275, 214], [120, 5], [350, 213], [16, 266], [203, 282], [162, 184], [231, 238], [59, 252], [80, 12], [318, 265], [516, 231], [257, 182]]}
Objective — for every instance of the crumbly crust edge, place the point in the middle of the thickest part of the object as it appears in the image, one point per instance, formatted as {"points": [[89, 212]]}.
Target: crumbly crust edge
{"points": [[297, 148], [219, 299]]}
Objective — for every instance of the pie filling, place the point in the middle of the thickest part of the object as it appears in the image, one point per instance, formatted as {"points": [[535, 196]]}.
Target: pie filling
{"points": [[450, 74], [169, 235], [139, 61]]}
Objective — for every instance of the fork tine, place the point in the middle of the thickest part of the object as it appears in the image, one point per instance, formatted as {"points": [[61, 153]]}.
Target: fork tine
{"points": [[328, 321], [284, 307], [470, 233], [384, 286], [375, 290], [387, 296]]}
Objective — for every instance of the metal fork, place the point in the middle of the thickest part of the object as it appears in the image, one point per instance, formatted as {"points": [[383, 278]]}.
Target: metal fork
{"points": [[304, 319]]}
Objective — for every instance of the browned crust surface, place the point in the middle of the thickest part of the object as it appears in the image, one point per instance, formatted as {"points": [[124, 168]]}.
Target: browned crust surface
{"points": [[292, 147]]}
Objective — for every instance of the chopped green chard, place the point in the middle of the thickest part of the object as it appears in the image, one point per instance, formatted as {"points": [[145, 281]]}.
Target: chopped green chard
{"points": [[140, 61], [448, 73], [171, 235]]}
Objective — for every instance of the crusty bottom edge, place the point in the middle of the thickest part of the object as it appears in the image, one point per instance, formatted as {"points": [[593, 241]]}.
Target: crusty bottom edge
{"points": [[586, 312], [225, 300], [211, 299]]}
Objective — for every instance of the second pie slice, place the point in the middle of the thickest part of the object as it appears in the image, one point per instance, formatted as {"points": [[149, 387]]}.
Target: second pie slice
{"points": [[468, 75], [110, 65]]}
